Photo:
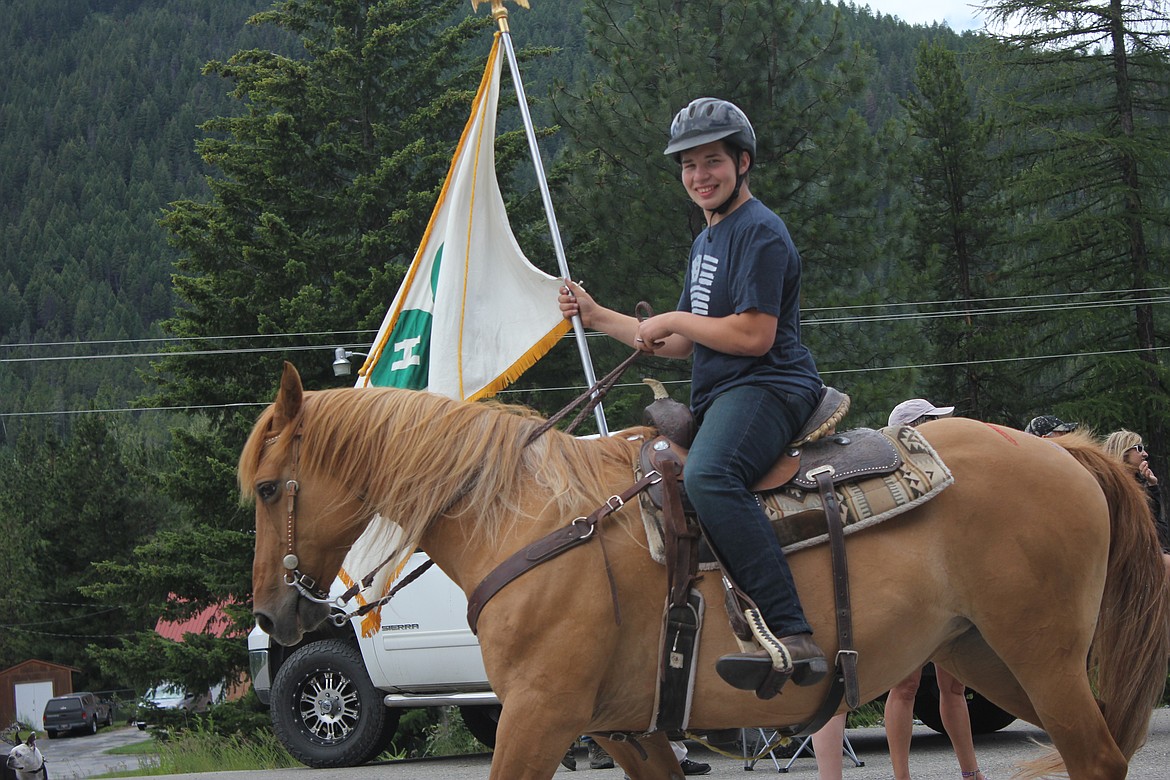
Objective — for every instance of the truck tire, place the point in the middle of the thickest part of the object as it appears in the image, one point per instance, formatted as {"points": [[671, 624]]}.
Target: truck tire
{"points": [[482, 721], [325, 710], [985, 716]]}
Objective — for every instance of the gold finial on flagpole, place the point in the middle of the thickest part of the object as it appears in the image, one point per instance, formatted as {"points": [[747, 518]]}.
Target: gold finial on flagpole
{"points": [[499, 12]]}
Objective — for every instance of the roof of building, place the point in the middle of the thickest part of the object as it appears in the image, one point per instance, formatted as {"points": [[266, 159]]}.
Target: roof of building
{"points": [[211, 620]]}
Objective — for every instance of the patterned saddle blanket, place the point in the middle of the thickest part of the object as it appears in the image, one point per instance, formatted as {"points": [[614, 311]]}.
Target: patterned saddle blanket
{"points": [[796, 510]]}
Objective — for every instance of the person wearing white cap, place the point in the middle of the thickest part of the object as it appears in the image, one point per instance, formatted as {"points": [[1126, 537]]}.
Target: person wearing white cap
{"points": [[952, 694], [918, 410]]}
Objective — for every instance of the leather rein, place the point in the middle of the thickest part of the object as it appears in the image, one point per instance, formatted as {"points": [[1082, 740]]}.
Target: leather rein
{"points": [[579, 531]]}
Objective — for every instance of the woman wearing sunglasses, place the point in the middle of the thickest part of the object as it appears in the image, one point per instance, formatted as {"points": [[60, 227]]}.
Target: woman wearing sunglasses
{"points": [[1129, 448]]}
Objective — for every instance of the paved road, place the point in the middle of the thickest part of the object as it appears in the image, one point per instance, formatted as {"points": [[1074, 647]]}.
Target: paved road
{"points": [[77, 757], [930, 759]]}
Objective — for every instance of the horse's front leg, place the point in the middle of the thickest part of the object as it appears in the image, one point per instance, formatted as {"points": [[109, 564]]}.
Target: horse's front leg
{"points": [[658, 764], [532, 736]]}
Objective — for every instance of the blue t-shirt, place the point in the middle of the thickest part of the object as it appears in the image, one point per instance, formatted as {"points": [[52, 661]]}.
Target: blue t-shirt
{"points": [[747, 261]]}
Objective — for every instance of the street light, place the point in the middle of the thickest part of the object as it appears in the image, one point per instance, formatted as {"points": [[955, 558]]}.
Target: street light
{"points": [[341, 366]]}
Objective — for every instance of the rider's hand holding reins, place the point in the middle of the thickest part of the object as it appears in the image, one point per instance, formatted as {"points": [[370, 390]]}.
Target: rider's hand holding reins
{"points": [[660, 338], [574, 300]]}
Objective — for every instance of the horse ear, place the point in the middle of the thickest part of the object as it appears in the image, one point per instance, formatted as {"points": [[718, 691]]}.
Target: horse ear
{"points": [[288, 400]]}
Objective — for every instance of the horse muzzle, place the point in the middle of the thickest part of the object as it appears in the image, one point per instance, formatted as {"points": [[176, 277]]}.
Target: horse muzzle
{"points": [[291, 618]]}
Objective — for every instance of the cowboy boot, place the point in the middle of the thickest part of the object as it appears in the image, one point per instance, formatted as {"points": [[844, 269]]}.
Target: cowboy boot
{"points": [[759, 670]]}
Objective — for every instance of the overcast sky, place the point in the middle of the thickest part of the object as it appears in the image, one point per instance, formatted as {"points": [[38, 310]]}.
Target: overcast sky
{"points": [[959, 14]]}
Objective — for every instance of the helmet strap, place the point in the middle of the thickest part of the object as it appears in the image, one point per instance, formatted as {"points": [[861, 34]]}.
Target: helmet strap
{"points": [[722, 208]]}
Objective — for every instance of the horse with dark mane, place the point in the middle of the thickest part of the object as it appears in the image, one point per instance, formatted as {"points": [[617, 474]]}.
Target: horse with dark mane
{"points": [[1035, 578]]}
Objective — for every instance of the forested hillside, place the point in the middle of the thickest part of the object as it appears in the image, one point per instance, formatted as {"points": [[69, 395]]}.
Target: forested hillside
{"points": [[187, 199], [98, 112], [98, 120]]}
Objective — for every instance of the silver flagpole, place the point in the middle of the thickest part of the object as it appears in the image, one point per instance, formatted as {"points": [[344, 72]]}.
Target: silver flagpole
{"points": [[500, 14]]}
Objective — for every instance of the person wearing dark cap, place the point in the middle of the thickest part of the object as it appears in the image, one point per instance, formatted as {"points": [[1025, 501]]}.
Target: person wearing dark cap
{"points": [[753, 380], [1047, 426]]}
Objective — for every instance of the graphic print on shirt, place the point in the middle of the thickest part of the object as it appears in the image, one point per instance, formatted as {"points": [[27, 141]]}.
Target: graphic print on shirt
{"points": [[703, 268]]}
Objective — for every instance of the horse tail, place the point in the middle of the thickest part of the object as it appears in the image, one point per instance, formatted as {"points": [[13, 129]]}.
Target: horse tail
{"points": [[1131, 644]]}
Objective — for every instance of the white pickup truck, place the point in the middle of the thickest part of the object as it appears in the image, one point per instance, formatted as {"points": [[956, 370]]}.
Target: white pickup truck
{"points": [[337, 696]]}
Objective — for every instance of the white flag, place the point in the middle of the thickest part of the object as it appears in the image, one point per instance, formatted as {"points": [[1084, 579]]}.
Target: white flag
{"points": [[472, 313]]}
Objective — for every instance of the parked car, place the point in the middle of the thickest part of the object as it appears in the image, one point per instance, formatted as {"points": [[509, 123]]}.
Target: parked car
{"points": [[985, 716], [82, 711], [170, 696]]}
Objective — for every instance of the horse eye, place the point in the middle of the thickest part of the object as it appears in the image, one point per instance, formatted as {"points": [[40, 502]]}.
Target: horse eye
{"points": [[266, 490]]}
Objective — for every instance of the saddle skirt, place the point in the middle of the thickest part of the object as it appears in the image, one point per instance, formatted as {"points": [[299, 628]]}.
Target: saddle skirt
{"points": [[898, 471]]}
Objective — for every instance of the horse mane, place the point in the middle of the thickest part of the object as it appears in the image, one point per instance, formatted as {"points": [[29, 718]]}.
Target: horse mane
{"points": [[415, 455]]}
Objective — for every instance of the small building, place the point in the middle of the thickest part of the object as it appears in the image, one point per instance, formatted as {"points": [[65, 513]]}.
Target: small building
{"points": [[28, 686]]}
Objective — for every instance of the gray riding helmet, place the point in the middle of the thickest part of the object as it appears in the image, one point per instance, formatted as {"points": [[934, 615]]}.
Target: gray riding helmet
{"points": [[710, 119]]}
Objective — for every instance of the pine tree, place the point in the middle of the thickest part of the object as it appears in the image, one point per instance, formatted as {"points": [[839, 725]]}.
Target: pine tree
{"points": [[955, 264], [1093, 148], [72, 503], [322, 186]]}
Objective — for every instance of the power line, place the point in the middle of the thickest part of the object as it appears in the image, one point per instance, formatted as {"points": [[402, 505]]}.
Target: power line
{"points": [[953, 302], [187, 408], [86, 616], [193, 353], [75, 636], [951, 309], [580, 388], [1045, 303], [180, 339]]}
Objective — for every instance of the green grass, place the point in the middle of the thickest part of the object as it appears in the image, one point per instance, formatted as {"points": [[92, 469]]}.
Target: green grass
{"points": [[204, 751], [866, 715], [450, 737], [213, 744], [146, 747]]}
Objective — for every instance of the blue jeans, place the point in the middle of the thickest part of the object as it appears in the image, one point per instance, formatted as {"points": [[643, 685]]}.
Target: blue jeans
{"points": [[743, 433]]}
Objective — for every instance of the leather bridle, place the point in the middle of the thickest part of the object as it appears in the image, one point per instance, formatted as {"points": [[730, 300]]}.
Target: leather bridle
{"points": [[305, 585]]}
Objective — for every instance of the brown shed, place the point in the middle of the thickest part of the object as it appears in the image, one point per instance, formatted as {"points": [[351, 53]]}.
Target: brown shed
{"points": [[26, 687]]}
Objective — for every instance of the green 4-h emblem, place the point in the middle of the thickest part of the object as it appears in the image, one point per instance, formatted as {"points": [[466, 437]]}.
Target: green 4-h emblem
{"points": [[405, 361]]}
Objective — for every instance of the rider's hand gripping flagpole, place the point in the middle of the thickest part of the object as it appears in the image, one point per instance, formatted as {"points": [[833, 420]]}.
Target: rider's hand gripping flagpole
{"points": [[500, 14]]}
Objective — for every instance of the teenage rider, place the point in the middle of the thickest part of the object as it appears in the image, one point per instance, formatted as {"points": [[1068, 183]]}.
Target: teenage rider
{"points": [[753, 382]]}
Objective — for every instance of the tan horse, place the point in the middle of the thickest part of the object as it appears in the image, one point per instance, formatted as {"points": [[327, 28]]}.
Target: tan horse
{"points": [[1038, 563]]}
